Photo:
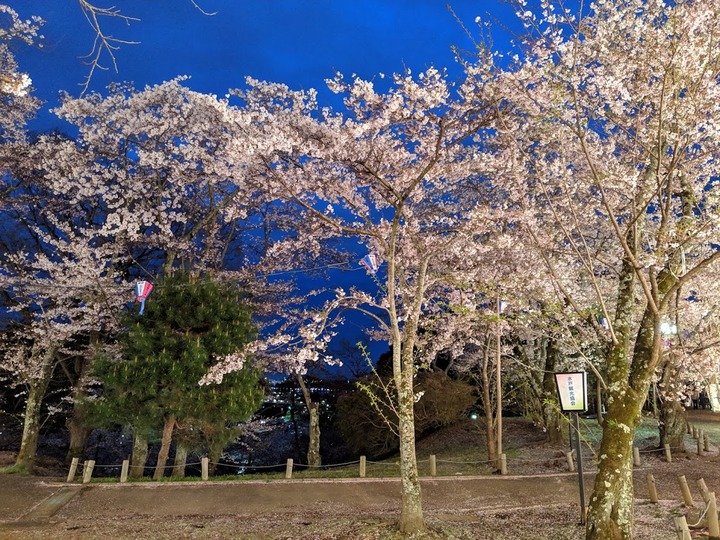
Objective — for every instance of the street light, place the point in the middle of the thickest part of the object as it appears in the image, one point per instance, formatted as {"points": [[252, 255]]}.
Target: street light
{"points": [[572, 390]]}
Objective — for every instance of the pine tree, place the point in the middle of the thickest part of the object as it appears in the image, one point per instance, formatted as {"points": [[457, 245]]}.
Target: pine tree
{"points": [[188, 325]]}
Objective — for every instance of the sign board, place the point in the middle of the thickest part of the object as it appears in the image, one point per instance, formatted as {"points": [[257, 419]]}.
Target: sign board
{"points": [[572, 389]]}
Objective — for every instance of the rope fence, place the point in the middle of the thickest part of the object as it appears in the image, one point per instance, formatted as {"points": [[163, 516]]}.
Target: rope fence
{"points": [[433, 466]]}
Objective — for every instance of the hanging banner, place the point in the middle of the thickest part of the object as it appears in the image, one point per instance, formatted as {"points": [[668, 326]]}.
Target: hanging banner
{"points": [[572, 390], [142, 290]]}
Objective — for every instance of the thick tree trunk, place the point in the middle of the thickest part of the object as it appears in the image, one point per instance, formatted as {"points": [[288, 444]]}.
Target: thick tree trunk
{"points": [[672, 425], [164, 448], [31, 428], [79, 432], [610, 513], [33, 405], [313, 454], [139, 455], [551, 414], [181, 454], [671, 416], [411, 517]]}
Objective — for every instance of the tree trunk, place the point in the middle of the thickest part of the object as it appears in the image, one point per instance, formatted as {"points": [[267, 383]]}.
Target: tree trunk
{"points": [[313, 453], [610, 513], [671, 416], [164, 447], [672, 425], [139, 455], [79, 432], [31, 427], [411, 517], [181, 454], [554, 433], [489, 417]]}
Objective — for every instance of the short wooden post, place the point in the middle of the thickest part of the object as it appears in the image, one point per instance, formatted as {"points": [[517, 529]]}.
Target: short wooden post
{"points": [[681, 528], [652, 488], [700, 443], [706, 443], [702, 486], [288, 469], [433, 465], [570, 462], [695, 432], [363, 466], [636, 457], [205, 468], [87, 473], [689, 427], [503, 464], [712, 517], [668, 455], [685, 489], [124, 471], [73, 469]]}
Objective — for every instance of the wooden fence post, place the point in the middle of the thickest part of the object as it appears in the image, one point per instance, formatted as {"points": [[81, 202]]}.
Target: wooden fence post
{"points": [[652, 489], [668, 455], [636, 457], [700, 442], [712, 517], [681, 528], [570, 462], [73, 469], [363, 466], [124, 471], [205, 468], [289, 468], [689, 427], [685, 489], [87, 472], [695, 432], [433, 465], [702, 486], [503, 464]]}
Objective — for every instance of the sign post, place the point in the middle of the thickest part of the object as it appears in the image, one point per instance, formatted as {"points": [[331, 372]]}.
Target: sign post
{"points": [[572, 390]]}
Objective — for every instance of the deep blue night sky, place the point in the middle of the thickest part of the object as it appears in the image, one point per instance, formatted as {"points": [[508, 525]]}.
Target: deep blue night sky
{"points": [[299, 43]]}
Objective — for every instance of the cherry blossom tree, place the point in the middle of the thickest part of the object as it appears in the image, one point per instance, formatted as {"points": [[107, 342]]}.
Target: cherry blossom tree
{"points": [[393, 175], [61, 297], [610, 138]]}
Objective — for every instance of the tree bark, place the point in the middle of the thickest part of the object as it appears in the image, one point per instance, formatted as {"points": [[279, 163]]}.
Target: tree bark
{"points": [[31, 427], [79, 432], [488, 410], [139, 455], [672, 425], [313, 454], [411, 517], [181, 454], [551, 414], [164, 447]]}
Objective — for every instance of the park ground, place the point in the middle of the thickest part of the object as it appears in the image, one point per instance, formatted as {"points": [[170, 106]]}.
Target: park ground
{"points": [[538, 500]]}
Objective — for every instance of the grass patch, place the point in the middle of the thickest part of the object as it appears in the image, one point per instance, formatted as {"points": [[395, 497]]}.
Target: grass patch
{"points": [[15, 469]]}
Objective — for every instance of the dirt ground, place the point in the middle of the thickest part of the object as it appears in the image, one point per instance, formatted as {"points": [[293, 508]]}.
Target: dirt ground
{"points": [[537, 501]]}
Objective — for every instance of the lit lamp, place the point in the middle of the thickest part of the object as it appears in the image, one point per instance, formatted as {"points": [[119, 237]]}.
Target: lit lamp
{"points": [[667, 330], [572, 390]]}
